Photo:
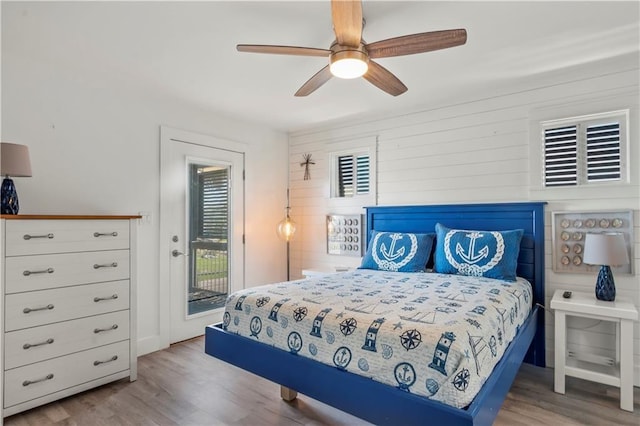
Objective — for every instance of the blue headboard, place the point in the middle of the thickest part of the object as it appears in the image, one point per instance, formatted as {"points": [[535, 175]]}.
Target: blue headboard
{"points": [[484, 217]]}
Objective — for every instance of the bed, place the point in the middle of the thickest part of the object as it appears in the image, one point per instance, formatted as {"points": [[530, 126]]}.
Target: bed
{"points": [[385, 403]]}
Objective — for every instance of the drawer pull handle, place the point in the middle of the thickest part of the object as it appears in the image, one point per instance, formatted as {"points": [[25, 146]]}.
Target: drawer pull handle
{"points": [[44, 271], [33, 345], [100, 330], [105, 234], [28, 237], [106, 265], [113, 358], [27, 310], [100, 299], [30, 382]]}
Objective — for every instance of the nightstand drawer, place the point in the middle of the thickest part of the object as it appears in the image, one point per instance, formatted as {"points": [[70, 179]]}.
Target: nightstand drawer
{"points": [[36, 380], [29, 237], [28, 273], [47, 306], [37, 344]]}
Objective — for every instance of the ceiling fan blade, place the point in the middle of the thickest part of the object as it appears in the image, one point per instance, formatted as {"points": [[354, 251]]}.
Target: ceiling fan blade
{"points": [[382, 78], [320, 78], [417, 43], [282, 50], [347, 21]]}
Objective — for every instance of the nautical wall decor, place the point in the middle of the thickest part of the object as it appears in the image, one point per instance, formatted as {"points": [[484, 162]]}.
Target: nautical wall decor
{"points": [[569, 230], [345, 234]]}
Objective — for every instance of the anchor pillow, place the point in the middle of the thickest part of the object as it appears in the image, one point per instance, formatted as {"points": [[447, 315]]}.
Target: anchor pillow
{"points": [[490, 254], [397, 251]]}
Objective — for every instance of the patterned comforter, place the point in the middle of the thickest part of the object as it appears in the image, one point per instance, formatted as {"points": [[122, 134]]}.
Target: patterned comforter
{"points": [[434, 335]]}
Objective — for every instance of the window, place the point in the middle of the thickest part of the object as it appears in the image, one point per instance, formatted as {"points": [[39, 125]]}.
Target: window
{"points": [[585, 150], [210, 198], [352, 175]]}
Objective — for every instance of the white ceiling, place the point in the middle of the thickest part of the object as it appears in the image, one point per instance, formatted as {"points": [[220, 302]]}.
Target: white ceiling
{"points": [[187, 50]]}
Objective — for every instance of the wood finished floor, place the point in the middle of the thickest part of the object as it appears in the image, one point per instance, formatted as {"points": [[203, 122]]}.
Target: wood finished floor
{"points": [[184, 386]]}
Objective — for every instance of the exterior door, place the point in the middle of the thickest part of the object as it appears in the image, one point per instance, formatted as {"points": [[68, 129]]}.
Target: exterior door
{"points": [[203, 224]]}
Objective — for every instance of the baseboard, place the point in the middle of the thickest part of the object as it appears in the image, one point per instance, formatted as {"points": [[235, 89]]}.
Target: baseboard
{"points": [[149, 344]]}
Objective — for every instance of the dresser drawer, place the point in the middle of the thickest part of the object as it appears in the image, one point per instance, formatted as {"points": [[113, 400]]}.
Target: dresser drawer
{"points": [[61, 304], [28, 273], [36, 380], [28, 237], [36, 344]]}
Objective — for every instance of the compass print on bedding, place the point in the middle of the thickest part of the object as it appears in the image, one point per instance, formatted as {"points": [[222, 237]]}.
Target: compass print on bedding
{"points": [[348, 326], [461, 380], [262, 301], [300, 313], [410, 339]]}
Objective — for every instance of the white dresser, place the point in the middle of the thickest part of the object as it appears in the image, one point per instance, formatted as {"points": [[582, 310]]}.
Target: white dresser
{"points": [[68, 306]]}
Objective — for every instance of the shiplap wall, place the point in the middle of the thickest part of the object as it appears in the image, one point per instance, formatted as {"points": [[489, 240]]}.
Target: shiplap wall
{"points": [[474, 151]]}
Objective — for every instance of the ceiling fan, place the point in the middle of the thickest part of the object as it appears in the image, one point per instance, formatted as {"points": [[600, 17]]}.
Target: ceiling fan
{"points": [[350, 57]]}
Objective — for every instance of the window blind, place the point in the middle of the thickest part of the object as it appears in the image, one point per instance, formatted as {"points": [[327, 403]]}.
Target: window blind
{"points": [[214, 206], [603, 152], [561, 156], [353, 175], [583, 151]]}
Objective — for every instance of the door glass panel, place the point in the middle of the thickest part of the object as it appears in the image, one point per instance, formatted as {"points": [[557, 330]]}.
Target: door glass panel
{"points": [[208, 237]]}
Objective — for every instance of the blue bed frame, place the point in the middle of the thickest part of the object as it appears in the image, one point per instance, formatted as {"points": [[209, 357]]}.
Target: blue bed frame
{"points": [[385, 404]]}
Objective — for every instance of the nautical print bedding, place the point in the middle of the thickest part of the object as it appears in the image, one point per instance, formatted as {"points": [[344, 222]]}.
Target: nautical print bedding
{"points": [[430, 334]]}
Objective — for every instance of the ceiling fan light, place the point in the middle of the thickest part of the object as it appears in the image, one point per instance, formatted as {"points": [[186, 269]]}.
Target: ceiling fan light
{"points": [[349, 64]]}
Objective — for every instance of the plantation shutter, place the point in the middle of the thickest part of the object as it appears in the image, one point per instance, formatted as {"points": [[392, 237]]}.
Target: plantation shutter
{"points": [[362, 173], [214, 190], [561, 156], [353, 175], [603, 152], [345, 176]]}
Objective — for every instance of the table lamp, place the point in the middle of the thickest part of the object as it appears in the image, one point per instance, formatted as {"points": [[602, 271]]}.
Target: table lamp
{"points": [[14, 161], [605, 249]]}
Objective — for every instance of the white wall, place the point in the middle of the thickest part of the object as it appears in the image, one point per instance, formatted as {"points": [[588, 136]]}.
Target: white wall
{"points": [[480, 151], [95, 149]]}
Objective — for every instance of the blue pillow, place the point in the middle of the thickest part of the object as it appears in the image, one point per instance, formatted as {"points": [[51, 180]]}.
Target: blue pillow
{"points": [[397, 251], [490, 254]]}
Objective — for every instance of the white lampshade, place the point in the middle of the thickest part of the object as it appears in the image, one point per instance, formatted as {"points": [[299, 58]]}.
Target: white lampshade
{"points": [[605, 249], [14, 160]]}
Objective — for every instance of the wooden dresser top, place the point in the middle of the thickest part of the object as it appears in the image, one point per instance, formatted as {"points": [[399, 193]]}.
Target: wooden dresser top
{"points": [[67, 217]]}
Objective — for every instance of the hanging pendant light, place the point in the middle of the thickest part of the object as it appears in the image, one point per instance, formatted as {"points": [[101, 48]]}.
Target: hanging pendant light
{"points": [[285, 230], [286, 227]]}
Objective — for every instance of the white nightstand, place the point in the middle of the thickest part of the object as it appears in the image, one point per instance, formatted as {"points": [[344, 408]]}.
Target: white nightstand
{"points": [[316, 272], [585, 305]]}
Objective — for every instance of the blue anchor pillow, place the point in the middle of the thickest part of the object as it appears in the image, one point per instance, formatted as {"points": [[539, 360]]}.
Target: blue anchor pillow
{"points": [[397, 251], [491, 254]]}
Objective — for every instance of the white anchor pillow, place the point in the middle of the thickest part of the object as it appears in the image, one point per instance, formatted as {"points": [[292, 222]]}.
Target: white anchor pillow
{"points": [[398, 252], [491, 254]]}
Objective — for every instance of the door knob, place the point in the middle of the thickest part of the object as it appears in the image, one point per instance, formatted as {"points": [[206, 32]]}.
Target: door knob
{"points": [[176, 253]]}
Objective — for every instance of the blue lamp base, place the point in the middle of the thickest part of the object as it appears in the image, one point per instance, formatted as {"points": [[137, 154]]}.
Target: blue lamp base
{"points": [[9, 204], [605, 287]]}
